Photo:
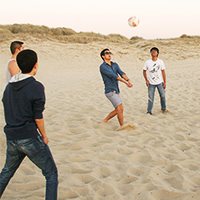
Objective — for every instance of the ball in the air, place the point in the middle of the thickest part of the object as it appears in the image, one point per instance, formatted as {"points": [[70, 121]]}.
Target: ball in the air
{"points": [[133, 21]]}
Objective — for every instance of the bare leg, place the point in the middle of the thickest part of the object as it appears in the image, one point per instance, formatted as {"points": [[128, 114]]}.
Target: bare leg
{"points": [[120, 114], [110, 116]]}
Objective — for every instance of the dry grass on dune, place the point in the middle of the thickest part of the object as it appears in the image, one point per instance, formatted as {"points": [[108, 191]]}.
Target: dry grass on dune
{"points": [[67, 35], [179, 48], [7, 32]]}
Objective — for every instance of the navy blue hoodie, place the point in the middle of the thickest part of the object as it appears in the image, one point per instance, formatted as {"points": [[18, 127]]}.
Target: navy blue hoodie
{"points": [[23, 102]]}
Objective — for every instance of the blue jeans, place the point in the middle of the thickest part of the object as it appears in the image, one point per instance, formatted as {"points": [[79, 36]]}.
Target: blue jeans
{"points": [[151, 93], [39, 153]]}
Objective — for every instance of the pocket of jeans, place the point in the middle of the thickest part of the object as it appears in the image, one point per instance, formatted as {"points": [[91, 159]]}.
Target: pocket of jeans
{"points": [[26, 142], [11, 148], [41, 141], [30, 146]]}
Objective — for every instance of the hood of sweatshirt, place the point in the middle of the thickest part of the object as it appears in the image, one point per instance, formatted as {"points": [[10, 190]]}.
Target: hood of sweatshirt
{"points": [[20, 81]]}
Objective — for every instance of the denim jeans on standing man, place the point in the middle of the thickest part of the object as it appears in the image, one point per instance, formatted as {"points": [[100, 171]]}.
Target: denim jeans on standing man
{"points": [[151, 93], [39, 153]]}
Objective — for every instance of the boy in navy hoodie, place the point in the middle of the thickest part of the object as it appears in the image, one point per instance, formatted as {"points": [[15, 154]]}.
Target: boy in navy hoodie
{"points": [[24, 101]]}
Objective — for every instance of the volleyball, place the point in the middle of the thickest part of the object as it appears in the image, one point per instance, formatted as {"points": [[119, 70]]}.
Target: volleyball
{"points": [[133, 21]]}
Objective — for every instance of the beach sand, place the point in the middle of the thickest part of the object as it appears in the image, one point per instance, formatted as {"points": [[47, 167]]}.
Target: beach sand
{"points": [[158, 159]]}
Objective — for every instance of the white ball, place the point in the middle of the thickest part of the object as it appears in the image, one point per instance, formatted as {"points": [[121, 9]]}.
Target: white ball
{"points": [[133, 21]]}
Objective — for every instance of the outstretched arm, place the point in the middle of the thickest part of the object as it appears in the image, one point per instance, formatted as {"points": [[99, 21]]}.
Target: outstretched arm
{"points": [[124, 81], [124, 76]]}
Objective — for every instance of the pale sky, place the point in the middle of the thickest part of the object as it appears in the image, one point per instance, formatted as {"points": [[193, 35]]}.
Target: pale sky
{"points": [[158, 18]]}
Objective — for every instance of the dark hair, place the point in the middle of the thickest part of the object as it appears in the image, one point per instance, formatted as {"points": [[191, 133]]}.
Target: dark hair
{"points": [[26, 60], [103, 52], [15, 45], [154, 49]]}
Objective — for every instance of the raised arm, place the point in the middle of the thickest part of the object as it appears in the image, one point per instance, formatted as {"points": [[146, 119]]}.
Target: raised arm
{"points": [[13, 68]]}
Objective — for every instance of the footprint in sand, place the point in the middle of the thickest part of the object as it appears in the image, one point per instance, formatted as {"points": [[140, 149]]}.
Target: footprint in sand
{"points": [[135, 171], [85, 178], [125, 151], [69, 194], [78, 159], [179, 137], [105, 172], [172, 168], [27, 170], [81, 190], [80, 171], [141, 157], [184, 147], [166, 194], [175, 182], [192, 167], [106, 190], [128, 179], [125, 189], [196, 180], [75, 147]]}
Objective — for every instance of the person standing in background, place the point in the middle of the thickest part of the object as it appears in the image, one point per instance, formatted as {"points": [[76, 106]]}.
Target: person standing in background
{"points": [[155, 77], [12, 68]]}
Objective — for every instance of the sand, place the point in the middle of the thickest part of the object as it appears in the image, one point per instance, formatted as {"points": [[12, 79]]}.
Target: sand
{"points": [[158, 159]]}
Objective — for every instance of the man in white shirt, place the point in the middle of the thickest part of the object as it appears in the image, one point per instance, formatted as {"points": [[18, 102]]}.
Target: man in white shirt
{"points": [[12, 68], [155, 77]]}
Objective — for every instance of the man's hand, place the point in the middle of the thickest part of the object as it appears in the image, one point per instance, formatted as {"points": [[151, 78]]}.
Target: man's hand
{"points": [[45, 140], [164, 85], [147, 83], [40, 125], [129, 84]]}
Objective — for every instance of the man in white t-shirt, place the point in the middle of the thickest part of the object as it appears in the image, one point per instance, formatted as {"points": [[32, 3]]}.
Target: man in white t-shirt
{"points": [[155, 77], [12, 68]]}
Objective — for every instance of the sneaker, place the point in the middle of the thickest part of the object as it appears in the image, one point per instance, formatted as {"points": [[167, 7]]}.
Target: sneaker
{"points": [[149, 113], [165, 111]]}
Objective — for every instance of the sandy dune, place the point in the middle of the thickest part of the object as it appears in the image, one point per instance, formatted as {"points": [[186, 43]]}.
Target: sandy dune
{"points": [[157, 160]]}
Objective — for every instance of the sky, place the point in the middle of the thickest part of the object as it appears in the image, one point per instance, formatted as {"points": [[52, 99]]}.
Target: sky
{"points": [[158, 18]]}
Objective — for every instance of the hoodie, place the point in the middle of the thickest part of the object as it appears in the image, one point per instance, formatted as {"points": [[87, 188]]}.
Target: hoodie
{"points": [[23, 102]]}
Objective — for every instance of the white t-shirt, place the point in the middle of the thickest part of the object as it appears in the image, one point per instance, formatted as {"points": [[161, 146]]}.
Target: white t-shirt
{"points": [[154, 71]]}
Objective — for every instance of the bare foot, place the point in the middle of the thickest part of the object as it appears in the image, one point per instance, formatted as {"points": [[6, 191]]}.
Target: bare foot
{"points": [[126, 127], [105, 121]]}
